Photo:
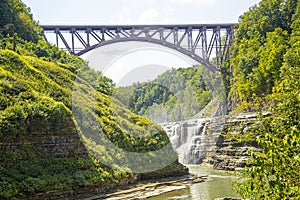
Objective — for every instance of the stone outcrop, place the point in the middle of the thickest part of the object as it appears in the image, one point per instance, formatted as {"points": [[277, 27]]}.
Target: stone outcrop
{"points": [[46, 142], [225, 153]]}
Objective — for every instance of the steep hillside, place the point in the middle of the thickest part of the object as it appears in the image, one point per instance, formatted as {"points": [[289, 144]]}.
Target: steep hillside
{"points": [[175, 95], [261, 41], [53, 136], [40, 145], [266, 62]]}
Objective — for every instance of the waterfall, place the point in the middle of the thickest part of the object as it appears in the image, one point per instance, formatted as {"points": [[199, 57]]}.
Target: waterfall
{"points": [[188, 138], [201, 141]]}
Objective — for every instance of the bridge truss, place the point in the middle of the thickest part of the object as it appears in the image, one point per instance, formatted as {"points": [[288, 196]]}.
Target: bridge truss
{"points": [[201, 42]]}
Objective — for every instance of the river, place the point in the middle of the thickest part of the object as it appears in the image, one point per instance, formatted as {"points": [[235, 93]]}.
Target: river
{"points": [[219, 186]]}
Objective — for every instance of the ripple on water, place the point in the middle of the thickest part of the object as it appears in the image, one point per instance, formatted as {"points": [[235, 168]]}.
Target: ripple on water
{"points": [[220, 186]]}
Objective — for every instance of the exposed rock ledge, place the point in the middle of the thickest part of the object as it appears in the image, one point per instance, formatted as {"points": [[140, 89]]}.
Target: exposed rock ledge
{"points": [[150, 189], [164, 182], [206, 140]]}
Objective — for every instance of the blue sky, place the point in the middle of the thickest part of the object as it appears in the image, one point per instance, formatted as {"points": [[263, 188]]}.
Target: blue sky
{"points": [[137, 11]]}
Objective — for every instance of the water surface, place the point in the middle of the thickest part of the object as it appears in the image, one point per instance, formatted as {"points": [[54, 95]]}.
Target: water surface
{"points": [[219, 186]]}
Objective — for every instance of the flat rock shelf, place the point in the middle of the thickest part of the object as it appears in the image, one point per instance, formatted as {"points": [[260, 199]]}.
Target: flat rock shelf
{"points": [[148, 189]]}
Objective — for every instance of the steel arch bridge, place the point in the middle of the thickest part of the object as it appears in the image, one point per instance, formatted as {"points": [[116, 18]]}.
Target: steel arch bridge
{"points": [[201, 42]]}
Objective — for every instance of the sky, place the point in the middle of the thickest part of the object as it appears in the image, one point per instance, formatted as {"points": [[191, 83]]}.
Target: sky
{"points": [[128, 62], [102, 12]]}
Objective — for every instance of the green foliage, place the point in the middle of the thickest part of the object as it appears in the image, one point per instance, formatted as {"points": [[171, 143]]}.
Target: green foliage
{"points": [[266, 75], [96, 79], [16, 18], [260, 43], [273, 172], [27, 177], [36, 97]]}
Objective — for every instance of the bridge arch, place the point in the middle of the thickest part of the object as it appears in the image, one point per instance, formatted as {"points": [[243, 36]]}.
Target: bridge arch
{"points": [[154, 41], [198, 42]]}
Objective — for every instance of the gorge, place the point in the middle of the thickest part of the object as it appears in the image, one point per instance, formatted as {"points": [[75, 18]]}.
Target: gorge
{"points": [[50, 136]]}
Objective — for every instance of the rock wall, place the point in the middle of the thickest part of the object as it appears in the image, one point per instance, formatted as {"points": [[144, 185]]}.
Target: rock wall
{"points": [[226, 153], [46, 143], [202, 141]]}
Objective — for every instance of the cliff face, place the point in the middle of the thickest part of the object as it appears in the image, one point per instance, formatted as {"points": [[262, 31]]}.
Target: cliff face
{"points": [[62, 143], [205, 141], [227, 153]]}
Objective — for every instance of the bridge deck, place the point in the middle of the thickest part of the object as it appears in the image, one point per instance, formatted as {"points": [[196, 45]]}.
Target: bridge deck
{"points": [[129, 27]]}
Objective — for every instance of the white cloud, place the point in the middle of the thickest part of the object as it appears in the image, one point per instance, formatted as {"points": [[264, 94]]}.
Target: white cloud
{"points": [[151, 1], [123, 17], [148, 16], [194, 2]]}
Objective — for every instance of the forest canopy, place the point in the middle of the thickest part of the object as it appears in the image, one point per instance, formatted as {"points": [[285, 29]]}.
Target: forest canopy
{"points": [[266, 77]]}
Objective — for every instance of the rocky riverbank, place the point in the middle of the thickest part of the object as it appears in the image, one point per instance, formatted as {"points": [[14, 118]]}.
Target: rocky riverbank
{"points": [[127, 189], [149, 184], [143, 190]]}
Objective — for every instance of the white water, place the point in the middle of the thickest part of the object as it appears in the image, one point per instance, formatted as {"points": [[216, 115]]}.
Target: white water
{"points": [[188, 138]]}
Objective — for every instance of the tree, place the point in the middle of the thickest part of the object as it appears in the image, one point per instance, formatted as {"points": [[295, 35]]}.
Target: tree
{"points": [[273, 173], [16, 18], [265, 76], [256, 50]]}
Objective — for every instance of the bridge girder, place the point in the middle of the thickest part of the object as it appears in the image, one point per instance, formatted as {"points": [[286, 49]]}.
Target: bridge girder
{"points": [[199, 42]]}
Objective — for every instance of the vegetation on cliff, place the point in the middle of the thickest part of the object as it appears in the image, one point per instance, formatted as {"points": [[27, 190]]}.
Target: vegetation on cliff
{"points": [[266, 62], [177, 94], [262, 39], [37, 100]]}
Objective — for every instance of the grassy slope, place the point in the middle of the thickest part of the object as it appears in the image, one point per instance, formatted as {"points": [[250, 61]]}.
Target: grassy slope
{"points": [[36, 96]]}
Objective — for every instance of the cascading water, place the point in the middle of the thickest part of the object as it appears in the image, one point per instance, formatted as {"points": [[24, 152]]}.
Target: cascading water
{"points": [[188, 138], [201, 141]]}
